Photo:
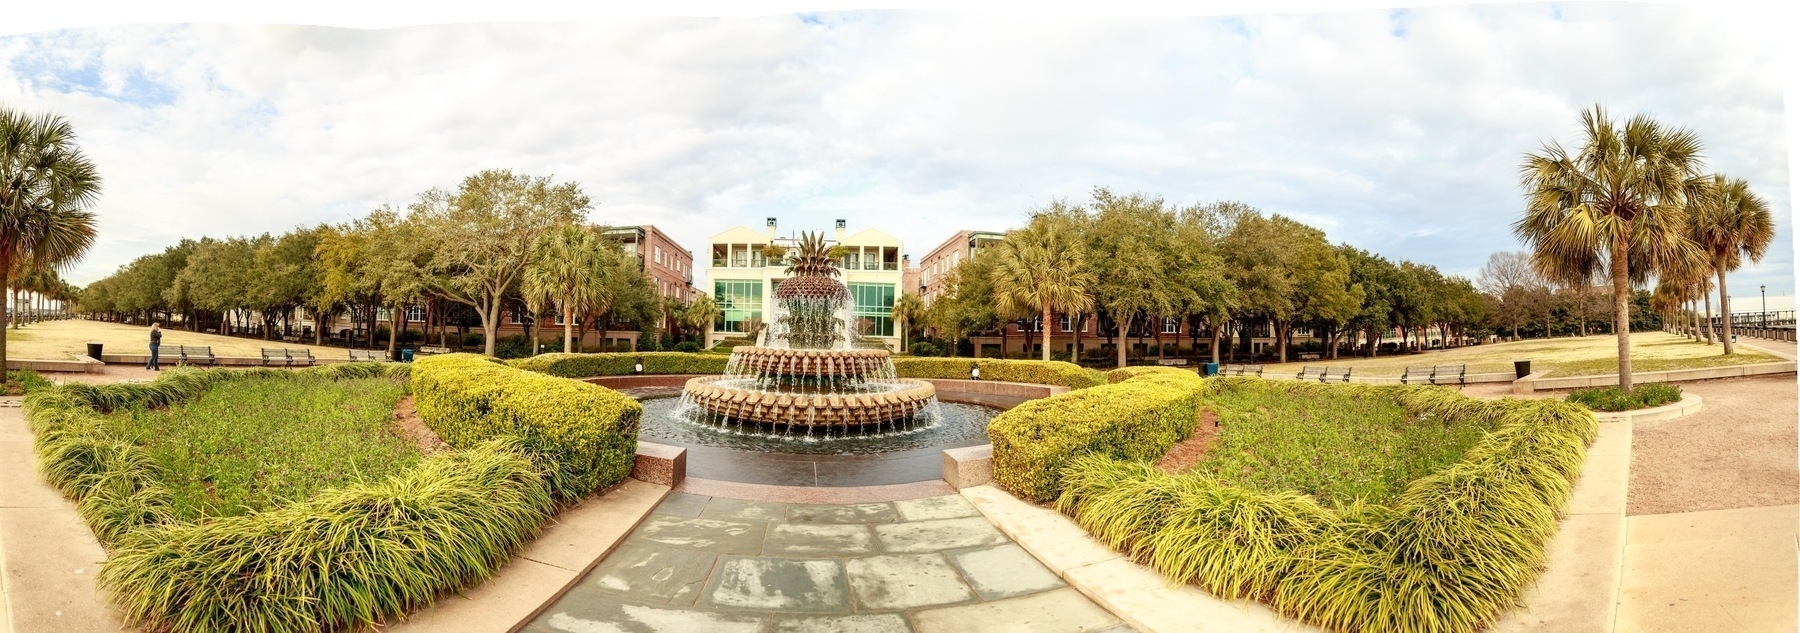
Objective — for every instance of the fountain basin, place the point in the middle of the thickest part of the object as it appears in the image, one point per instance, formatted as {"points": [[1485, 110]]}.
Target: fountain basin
{"points": [[903, 399]]}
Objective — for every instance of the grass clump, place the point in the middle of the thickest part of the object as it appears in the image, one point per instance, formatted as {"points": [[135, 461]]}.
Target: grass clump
{"points": [[253, 445], [1337, 446], [1641, 396], [23, 381]]}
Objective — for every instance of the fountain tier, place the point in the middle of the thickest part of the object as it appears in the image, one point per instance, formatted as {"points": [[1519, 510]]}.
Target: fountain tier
{"points": [[904, 399]]}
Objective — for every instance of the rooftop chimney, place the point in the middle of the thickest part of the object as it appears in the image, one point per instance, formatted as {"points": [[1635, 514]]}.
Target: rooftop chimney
{"points": [[840, 231], [771, 224]]}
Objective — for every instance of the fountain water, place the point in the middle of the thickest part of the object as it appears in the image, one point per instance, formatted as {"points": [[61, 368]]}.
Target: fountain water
{"points": [[805, 376]]}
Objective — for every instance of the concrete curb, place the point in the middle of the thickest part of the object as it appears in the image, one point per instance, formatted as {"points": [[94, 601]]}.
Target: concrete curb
{"points": [[1529, 384], [1134, 593], [1690, 404], [571, 546], [1579, 591]]}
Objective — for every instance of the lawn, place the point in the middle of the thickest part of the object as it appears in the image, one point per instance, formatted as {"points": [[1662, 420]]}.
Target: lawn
{"points": [[1570, 356], [56, 340], [251, 445], [1336, 447]]}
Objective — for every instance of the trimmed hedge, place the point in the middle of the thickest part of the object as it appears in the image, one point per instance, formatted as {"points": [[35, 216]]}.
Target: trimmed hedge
{"points": [[620, 363], [349, 557], [1123, 374], [1040, 372], [1451, 554], [1137, 419], [584, 435]]}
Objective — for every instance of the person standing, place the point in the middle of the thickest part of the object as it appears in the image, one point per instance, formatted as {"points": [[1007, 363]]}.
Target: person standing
{"points": [[155, 344]]}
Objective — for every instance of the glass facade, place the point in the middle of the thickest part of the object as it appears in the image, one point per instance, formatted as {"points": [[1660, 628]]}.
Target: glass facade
{"points": [[739, 301], [875, 305]]}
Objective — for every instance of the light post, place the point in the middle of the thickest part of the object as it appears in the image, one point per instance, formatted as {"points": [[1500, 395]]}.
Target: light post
{"points": [[974, 372], [638, 367], [1763, 318]]}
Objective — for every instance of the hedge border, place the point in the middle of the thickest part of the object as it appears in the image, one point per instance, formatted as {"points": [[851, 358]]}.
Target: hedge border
{"points": [[1137, 418], [618, 364], [1451, 554], [345, 558]]}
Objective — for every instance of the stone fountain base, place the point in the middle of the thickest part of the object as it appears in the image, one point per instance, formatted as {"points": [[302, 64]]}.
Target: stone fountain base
{"points": [[908, 399]]}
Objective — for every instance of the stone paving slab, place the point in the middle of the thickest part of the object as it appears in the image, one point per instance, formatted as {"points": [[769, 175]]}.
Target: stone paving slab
{"points": [[1059, 611], [702, 563], [941, 534], [905, 581], [1716, 570]]}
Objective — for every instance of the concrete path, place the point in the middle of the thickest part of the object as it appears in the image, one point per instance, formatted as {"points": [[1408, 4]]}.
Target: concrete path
{"points": [[1578, 592], [1717, 570], [48, 556], [1783, 349], [704, 563]]}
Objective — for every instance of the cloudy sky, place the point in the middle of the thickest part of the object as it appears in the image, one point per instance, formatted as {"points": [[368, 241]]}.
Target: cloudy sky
{"points": [[1398, 131]]}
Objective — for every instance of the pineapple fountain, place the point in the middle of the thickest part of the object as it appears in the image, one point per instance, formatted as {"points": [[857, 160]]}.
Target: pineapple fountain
{"points": [[804, 377]]}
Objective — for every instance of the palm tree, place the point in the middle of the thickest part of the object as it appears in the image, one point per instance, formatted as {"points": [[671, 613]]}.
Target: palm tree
{"points": [[568, 269], [46, 186], [1621, 196], [908, 309], [700, 314], [1042, 268], [1731, 224]]}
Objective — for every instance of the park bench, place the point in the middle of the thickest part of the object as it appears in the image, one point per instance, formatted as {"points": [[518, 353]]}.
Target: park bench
{"points": [[286, 356], [427, 350], [195, 353], [1343, 375], [289, 338], [1239, 370], [1172, 362], [363, 354], [1312, 373], [1309, 356], [1435, 374]]}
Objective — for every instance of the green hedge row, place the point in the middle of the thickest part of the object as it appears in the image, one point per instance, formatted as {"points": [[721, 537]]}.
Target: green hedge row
{"points": [[584, 434], [1053, 372], [620, 364], [1139, 418], [1451, 554], [1123, 374]]}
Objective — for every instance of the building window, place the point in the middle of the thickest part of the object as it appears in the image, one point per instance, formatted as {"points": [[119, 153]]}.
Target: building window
{"points": [[1068, 324], [874, 306], [1171, 325], [513, 317], [739, 301], [658, 250], [415, 314]]}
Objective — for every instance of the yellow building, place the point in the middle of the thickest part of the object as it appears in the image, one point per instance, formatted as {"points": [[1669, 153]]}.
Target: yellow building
{"points": [[743, 281]]}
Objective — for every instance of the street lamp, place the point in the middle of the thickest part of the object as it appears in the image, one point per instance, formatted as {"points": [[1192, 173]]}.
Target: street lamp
{"points": [[974, 372], [638, 367]]}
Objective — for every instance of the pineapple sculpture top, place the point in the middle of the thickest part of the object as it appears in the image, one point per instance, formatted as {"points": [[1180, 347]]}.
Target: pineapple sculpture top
{"points": [[812, 305]]}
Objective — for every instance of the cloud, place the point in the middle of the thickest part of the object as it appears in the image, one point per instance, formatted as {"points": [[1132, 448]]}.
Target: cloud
{"points": [[1398, 131]]}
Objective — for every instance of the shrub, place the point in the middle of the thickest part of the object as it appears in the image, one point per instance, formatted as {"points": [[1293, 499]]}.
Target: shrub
{"points": [[1451, 553], [515, 346], [584, 435], [1029, 371], [922, 348], [1642, 396], [1136, 419], [474, 339], [1123, 374], [620, 364], [688, 347]]}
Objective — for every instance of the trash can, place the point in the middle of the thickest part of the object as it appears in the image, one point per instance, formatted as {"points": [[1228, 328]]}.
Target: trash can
{"points": [[406, 354], [1209, 369], [1521, 368], [94, 350]]}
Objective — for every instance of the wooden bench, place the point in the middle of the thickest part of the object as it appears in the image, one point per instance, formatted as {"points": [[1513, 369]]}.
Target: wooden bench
{"points": [[1309, 356], [288, 357], [1181, 362], [427, 350], [1239, 370], [1312, 373], [1449, 374], [195, 354], [1436, 375], [364, 355], [1344, 375]]}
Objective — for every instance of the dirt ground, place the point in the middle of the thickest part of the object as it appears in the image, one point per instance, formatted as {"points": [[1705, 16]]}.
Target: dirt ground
{"points": [[1565, 356], [55, 340], [1739, 451]]}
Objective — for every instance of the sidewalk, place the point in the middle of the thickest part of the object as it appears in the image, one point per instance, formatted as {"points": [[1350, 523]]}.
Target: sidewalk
{"points": [[1716, 570], [48, 556]]}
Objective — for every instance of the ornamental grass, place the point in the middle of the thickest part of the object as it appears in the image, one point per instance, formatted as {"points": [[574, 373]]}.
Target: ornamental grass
{"points": [[1449, 554], [346, 557]]}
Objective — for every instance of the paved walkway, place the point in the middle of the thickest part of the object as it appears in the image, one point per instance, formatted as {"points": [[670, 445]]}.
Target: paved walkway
{"points": [[1717, 570], [48, 556], [726, 565]]}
